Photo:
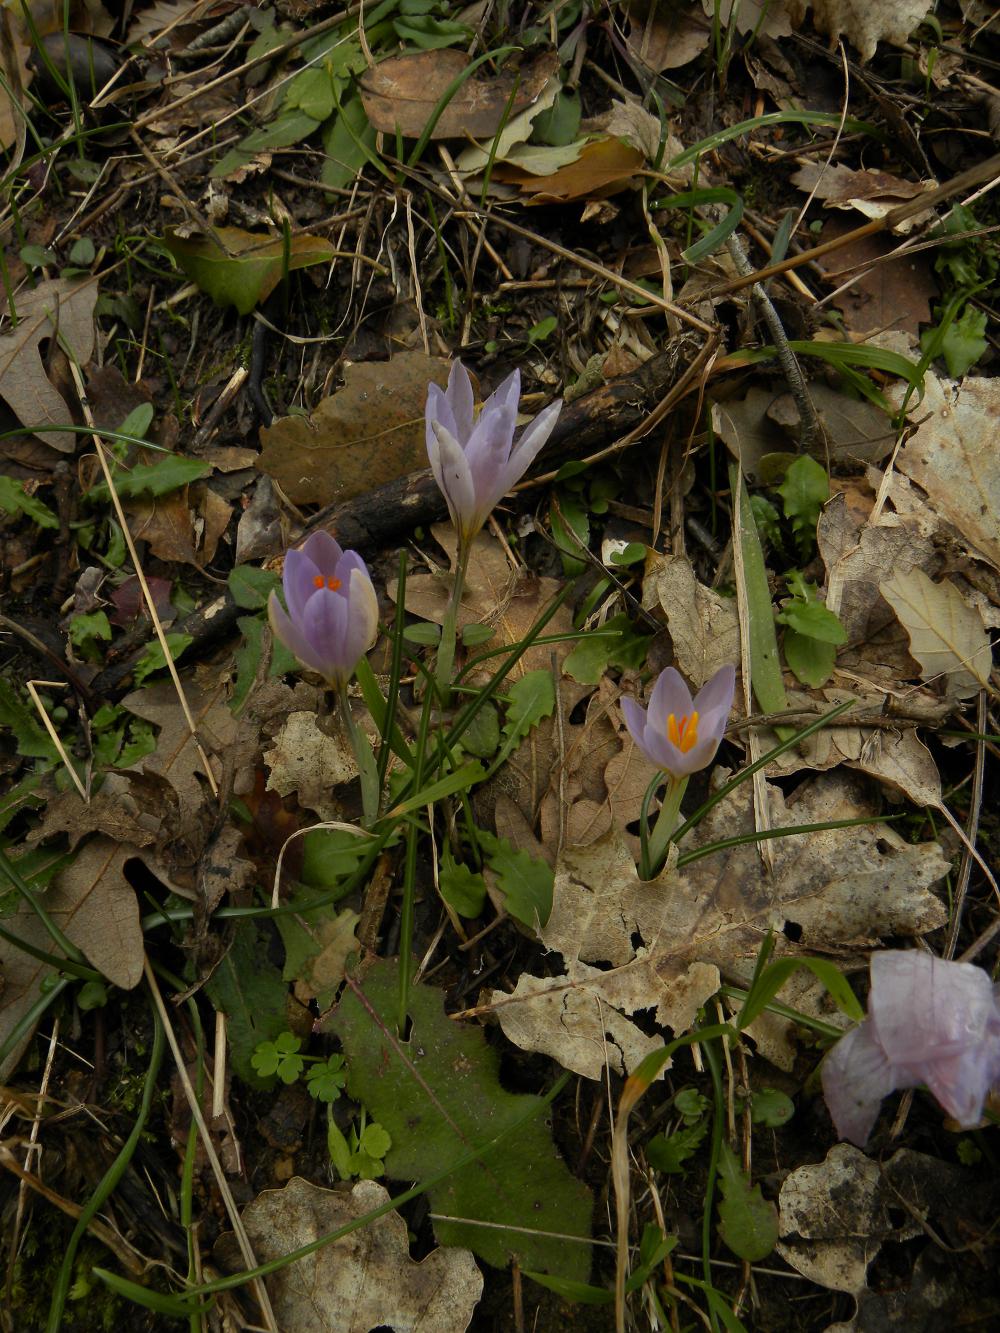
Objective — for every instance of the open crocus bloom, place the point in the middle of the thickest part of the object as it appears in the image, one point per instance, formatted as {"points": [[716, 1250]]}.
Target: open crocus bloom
{"points": [[677, 733], [929, 1022], [332, 616], [474, 458]]}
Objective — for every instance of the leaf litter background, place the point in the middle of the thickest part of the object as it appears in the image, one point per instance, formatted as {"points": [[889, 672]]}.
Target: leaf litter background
{"points": [[329, 429]]}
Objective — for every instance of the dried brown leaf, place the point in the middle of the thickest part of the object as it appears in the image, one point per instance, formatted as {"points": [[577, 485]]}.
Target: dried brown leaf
{"points": [[364, 435], [364, 1280], [401, 93], [57, 308]]}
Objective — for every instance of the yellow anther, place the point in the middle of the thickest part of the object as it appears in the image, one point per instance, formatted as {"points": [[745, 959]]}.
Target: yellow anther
{"points": [[683, 734]]}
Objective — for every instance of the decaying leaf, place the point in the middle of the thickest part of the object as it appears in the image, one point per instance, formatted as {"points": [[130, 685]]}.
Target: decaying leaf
{"points": [[241, 268], [309, 761], [59, 309], [823, 1243], [366, 1279], [879, 292], [865, 23], [953, 456], [669, 941], [947, 636], [96, 908], [401, 93], [603, 167], [364, 435], [704, 626]]}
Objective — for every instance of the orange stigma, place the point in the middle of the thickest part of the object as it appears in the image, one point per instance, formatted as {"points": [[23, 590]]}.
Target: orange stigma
{"points": [[683, 734], [326, 581]]}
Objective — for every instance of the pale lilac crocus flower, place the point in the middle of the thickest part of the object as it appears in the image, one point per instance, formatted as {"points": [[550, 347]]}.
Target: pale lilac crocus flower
{"points": [[930, 1022], [332, 616], [676, 733], [473, 456]]}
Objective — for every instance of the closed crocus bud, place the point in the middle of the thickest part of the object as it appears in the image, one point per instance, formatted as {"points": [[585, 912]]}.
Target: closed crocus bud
{"points": [[473, 457], [929, 1022], [332, 616], [677, 733]]}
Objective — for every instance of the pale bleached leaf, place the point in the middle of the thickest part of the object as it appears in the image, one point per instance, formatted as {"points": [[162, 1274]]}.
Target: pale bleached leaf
{"points": [[947, 636]]}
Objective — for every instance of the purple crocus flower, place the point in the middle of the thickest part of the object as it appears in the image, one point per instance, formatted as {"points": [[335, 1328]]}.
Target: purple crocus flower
{"points": [[929, 1022], [332, 616], [474, 458], [677, 733]]}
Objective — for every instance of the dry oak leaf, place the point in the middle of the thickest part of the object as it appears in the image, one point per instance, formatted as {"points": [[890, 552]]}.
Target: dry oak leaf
{"points": [[947, 635], [365, 1280], [366, 434], [61, 308], [670, 940], [865, 23], [400, 94], [953, 456], [704, 626], [96, 908], [604, 167], [306, 760]]}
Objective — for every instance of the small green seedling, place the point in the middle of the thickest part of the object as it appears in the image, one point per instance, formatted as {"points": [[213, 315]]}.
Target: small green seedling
{"points": [[325, 1076]]}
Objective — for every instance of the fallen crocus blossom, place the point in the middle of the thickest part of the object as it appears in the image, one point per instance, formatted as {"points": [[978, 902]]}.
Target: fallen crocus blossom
{"points": [[474, 458], [332, 616], [929, 1022], [677, 733]]}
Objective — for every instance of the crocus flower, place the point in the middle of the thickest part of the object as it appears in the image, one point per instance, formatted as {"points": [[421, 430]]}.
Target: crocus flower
{"points": [[332, 616], [929, 1022], [473, 457], [677, 733]]}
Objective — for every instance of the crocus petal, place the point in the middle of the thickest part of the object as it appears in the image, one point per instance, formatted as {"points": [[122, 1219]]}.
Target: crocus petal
{"points": [[438, 409], [922, 1006], [461, 400], [325, 626], [716, 695], [299, 581], [488, 447], [670, 695], [288, 632], [635, 719], [856, 1076], [362, 621], [324, 551], [506, 394], [451, 472], [533, 439], [348, 563]]}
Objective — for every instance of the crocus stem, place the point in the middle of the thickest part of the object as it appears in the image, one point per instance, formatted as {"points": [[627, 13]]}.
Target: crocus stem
{"points": [[666, 823], [365, 757], [449, 628]]}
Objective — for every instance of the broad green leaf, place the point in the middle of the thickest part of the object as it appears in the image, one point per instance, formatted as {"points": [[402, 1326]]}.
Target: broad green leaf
{"points": [[748, 1223], [669, 1152], [482, 736], [138, 421], [330, 855], [531, 698], [963, 342], [559, 124], [20, 718], [438, 1094], [84, 629], [577, 1293], [168, 473], [15, 500], [312, 92], [811, 660], [804, 491], [348, 143], [813, 620], [153, 659], [236, 267], [771, 1108], [247, 987], [464, 890], [618, 644], [250, 587], [525, 881]]}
